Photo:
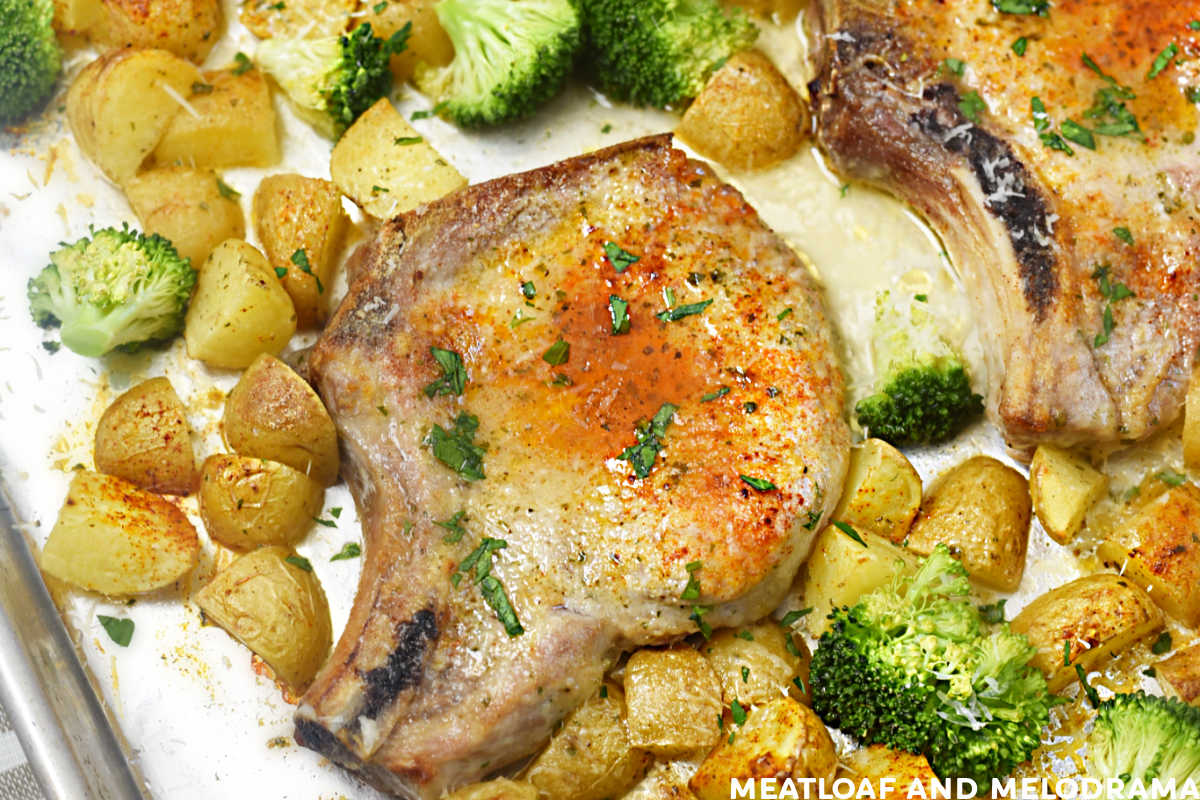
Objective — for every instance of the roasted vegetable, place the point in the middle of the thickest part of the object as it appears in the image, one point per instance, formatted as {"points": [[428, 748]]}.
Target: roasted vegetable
{"points": [[1139, 738], [144, 437], [30, 58]]}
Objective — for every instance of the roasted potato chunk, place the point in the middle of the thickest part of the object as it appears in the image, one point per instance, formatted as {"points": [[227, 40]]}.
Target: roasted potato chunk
{"points": [[1097, 616], [877, 762], [121, 104], [673, 701], [882, 491], [144, 438], [782, 739], [271, 603], [249, 502], [590, 757], [294, 214], [778, 10], [188, 206], [1156, 547], [187, 28], [1191, 422], [239, 310], [980, 509], [313, 19], [498, 789], [747, 116], [1063, 487], [427, 42], [233, 124], [77, 17], [664, 781], [114, 538], [273, 414], [841, 570], [385, 166], [755, 664], [1179, 675]]}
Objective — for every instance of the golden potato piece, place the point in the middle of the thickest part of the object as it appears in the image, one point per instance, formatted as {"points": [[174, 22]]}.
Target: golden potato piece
{"points": [[1191, 422], [841, 570], [239, 310], [144, 438], [1097, 616], [882, 491], [672, 700], [782, 739], [233, 124], [1063, 487], [247, 502], [191, 207], [898, 768], [427, 42], [187, 28], [271, 603], [114, 538], [754, 663], [980, 509], [498, 789], [312, 19], [1179, 675], [1158, 548], [665, 781], [385, 166], [590, 757], [747, 116], [77, 17], [273, 414], [121, 104], [295, 214]]}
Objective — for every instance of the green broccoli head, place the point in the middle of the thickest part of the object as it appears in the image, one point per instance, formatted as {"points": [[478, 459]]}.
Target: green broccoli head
{"points": [[30, 58], [114, 289], [1139, 737], [914, 666], [509, 58], [923, 392], [660, 52], [333, 80]]}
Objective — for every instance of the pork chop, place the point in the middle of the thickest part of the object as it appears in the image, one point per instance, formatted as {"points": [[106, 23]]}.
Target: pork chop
{"points": [[648, 398], [1078, 247]]}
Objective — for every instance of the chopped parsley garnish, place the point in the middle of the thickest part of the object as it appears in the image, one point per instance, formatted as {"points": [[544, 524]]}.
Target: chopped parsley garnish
{"points": [[792, 617], [198, 87], [697, 616], [51, 347], [119, 630], [557, 353], [1163, 60], [972, 105], [325, 523], [456, 447], [782, 315], [814, 517], [300, 259], [1074, 132], [1066, 653], [1123, 234], [1044, 125], [679, 312], [993, 612], [1112, 292], [955, 65], [300, 561], [480, 563], [758, 484], [407, 140], [454, 374], [620, 258], [844, 189], [641, 456], [1194, 24], [606, 128], [280, 272], [379, 8], [349, 550], [1108, 106], [921, 298], [376, 189], [454, 525], [1020, 46], [1039, 7], [849, 531], [745, 674], [528, 290], [421, 114], [618, 309], [1162, 644], [692, 590], [738, 713], [336, 512], [561, 379], [1092, 695], [242, 64], [719, 393], [1171, 478], [227, 191]]}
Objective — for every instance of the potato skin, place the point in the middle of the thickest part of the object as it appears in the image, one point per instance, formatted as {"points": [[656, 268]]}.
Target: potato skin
{"points": [[144, 437], [980, 509], [247, 502], [293, 213], [1063, 486], [882, 491], [1191, 422], [876, 762], [187, 28], [314, 18], [496, 789], [427, 42], [840, 570], [1179, 675], [747, 116], [1098, 615], [761, 651], [186, 206], [275, 608], [673, 701], [114, 538], [236, 125], [273, 414]]}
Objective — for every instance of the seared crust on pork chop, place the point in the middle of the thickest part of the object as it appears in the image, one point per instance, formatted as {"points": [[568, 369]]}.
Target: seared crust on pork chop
{"points": [[428, 688]]}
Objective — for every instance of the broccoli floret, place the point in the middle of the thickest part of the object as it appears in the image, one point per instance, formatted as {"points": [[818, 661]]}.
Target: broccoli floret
{"points": [[114, 289], [509, 58], [914, 666], [1139, 737], [30, 58], [333, 80], [923, 392], [660, 52]]}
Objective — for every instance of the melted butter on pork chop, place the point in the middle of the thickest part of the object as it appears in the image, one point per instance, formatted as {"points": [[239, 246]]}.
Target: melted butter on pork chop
{"points": [[426, 689]]}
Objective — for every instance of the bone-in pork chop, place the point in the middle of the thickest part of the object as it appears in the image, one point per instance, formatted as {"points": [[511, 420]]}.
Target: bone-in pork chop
{"points": [[1081, 262], [649, 397]]}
